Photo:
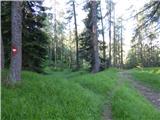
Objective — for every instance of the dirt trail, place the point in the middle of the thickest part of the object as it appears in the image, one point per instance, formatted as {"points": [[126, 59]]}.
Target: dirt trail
{"points": [[151, 95], [107, 111]]}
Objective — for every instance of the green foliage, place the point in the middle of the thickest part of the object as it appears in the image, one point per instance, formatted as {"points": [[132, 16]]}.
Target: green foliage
{"points": [[85, 37], [6, 30], [85, 46], [148, 76], [131, 60], [34, 39], [150, 57], [145, 43]]}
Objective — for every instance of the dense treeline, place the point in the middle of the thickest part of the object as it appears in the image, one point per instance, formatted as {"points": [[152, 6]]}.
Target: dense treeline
{"points": [[51, 42], [145, 49]]}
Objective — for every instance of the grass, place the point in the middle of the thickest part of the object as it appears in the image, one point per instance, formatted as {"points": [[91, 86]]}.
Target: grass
{"points": [[149, 76], [59, 96], [73, 96], [128, 104]]}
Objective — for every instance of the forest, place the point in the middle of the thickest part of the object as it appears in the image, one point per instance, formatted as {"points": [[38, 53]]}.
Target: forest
{"points": [[80, 60]]}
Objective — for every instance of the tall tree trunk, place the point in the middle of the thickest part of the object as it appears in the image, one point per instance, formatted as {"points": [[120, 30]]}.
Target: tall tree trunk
{"points": [[140, 54], [55, 36], [2, 53], [95, 54], [151, 52], [140, 48], [110, 15], [76, 36], [121, 45], [62, 52], [104, 48], [55, 55], [2, 49], [16, 43], [50, 53], [114, 41]]}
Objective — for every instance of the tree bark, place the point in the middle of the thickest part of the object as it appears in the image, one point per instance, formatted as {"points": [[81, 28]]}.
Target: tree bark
{"points": [[121, 45], [2, 53], [110, 15], [50, 54], [104, 48], [55, 36], [114, 40], [76, 37], [95, 54], [2, 49], [16, 43]]}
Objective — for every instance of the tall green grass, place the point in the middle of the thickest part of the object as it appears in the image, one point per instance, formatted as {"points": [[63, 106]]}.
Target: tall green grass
{"points": [[72, 96], [128, 104], [59, 96], [149, 76]]}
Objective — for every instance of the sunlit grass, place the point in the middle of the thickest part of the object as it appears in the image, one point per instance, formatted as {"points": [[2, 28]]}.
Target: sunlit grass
{"points": [[149, 76], [59, 96], [128, 104], [70, 95]]}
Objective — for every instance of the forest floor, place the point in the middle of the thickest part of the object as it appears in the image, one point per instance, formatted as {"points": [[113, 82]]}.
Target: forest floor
{"points": [[64, 95]]}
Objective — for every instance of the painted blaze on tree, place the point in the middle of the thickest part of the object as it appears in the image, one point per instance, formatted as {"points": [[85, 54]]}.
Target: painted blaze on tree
{"points": [[14, 50], [16, 43]]}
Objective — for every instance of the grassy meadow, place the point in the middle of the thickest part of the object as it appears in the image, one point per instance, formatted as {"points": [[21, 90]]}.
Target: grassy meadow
{"points": [[74, 96]]}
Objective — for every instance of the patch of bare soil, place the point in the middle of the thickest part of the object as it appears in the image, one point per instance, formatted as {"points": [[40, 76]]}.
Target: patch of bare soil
{"points": [[107, 112]]}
